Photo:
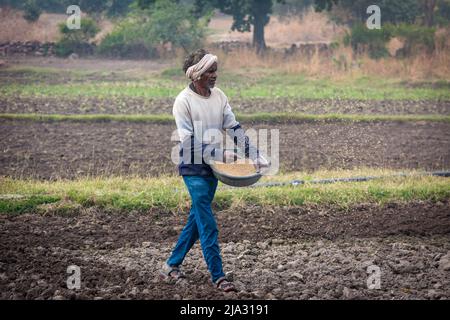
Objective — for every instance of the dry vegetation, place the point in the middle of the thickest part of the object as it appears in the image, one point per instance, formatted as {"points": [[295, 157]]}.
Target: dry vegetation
{"points": [[281, 33], [13, 27], [316, 28], [342, 65]]}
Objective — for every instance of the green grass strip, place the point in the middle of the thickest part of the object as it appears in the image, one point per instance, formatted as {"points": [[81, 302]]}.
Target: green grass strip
{"points": [[169, 193], [256, 117], [265, 83], [153, 118], [270, 87], [298, 117]]}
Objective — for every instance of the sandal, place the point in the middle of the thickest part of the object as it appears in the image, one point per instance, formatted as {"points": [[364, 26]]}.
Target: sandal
{"points": [[168, 272], [224, 285]]}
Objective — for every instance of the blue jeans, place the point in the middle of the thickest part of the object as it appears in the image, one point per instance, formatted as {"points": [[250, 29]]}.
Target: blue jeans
{"points": [[201, 224]]}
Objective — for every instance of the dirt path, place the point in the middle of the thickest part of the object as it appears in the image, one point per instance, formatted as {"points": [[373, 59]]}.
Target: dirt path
{"points": [[282, 253], [70, 149]]}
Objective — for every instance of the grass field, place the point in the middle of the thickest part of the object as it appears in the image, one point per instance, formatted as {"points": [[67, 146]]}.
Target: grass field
{"points": [[134, 193], [254, 84]]}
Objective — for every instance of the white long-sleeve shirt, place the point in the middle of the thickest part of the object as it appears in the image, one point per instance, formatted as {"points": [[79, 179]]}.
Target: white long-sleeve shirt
{"points": [[201, 122]]}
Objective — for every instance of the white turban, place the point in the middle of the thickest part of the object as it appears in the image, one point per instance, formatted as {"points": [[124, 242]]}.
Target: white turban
{"points": [[195, 72]]}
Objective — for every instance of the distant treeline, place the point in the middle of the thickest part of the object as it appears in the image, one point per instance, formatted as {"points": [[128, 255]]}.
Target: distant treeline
{"points": [[143, 27], [33, 8]]}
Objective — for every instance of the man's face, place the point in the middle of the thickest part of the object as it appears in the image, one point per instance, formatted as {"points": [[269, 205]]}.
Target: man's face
{"points": [[208, 79]]}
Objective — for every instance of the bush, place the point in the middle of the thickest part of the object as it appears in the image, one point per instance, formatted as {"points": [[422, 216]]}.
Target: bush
{"points": [[77, 40], [171, 22], [88, 29], [32, 11], [416, 38], [374, 41], [143, 31], [129, 39]]}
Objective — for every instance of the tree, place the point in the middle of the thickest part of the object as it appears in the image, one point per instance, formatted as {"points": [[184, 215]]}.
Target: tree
{"points": [[291, 8], [391, 11], [118, 7], [428, 12], [246, 13], [429, 7], [321, 5], [92, 7], [33, 8], [443, 15]]}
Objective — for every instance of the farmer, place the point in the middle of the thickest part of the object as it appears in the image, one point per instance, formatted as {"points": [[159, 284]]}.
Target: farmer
{"points": [[201, 108]]}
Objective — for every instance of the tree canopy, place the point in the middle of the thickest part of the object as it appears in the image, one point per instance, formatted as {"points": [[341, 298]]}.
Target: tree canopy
{"points": [[33, 8], [396, 12]]}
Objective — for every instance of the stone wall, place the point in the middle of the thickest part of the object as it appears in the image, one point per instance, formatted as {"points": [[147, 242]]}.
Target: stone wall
{"points": [[307, 49], [36, 48], [28, 48]]}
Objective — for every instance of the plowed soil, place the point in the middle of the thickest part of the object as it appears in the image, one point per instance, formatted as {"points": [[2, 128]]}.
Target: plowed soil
{"points": [[70, 149], [308, 252], [137, 105]]}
